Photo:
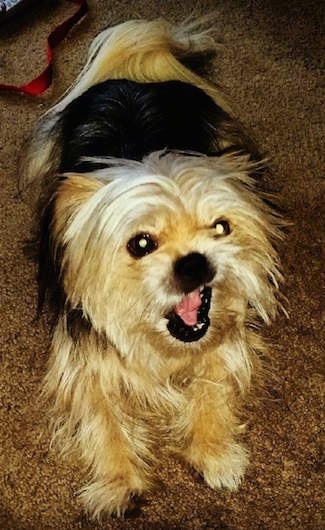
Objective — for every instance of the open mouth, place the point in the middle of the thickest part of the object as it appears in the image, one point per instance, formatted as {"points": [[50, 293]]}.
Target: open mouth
{"points": [[189, 320]]}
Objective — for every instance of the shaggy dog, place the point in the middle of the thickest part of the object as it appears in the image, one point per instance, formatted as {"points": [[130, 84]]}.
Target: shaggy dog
{"points": [[156, 253]]}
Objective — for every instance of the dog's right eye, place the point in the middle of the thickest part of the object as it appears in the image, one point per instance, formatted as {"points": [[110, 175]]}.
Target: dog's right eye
{"points": [[141, 245]]}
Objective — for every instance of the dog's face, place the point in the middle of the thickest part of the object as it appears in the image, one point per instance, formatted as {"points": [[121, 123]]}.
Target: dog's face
{"points": [[170, 251]]}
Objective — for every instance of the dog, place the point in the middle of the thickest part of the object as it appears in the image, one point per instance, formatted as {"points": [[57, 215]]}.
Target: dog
{"points": [[157, 255]]}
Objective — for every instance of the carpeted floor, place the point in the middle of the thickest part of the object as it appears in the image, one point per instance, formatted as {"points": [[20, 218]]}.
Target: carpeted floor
{"points": [[271, 68]]}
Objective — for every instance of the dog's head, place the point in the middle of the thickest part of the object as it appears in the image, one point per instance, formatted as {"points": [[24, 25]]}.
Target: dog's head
{"points": [[173, 250]]}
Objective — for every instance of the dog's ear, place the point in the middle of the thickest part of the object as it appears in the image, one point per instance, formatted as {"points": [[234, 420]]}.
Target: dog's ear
{"points": [[72, 192], [63, 201]]}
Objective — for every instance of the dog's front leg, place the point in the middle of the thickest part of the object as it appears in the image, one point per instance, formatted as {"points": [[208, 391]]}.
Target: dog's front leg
{"points": [[114, 449], [211, 446], [94, 419]]}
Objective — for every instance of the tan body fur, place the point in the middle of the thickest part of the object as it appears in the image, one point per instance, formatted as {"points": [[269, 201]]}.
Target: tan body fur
{"points": [[121, 420], [122, 389]]}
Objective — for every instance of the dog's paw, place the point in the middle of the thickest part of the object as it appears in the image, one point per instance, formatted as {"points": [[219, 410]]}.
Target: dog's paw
{"points": [[110, 497], [225, 470]]}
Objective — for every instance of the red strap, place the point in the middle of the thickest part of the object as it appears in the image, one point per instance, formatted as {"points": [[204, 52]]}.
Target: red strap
{"points": [[43, 81]]}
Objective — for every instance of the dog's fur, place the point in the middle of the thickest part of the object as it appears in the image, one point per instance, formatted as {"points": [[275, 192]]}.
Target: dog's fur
{"points": [[147, 194]]}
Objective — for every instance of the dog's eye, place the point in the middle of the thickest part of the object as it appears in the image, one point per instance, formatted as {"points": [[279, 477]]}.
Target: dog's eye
{"points": [[221, 227], [141, 245]]}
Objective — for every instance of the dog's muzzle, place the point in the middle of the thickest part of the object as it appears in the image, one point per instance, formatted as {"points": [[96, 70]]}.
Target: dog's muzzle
{"points": [[189, 320]]}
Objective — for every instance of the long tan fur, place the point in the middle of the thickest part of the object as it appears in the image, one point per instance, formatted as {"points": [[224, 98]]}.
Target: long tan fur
{"points": [[123, 392], [122, 389]]}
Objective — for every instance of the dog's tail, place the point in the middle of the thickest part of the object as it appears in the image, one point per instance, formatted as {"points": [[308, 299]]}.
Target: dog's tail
{"points": [[138, 50], [146, 51]]}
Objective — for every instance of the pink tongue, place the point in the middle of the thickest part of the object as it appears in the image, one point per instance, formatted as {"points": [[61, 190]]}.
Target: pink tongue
{"points": [[187, 308]]}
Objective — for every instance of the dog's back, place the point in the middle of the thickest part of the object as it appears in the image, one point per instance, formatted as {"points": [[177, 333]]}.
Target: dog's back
{"points": [[143, 64], [126, 119]]}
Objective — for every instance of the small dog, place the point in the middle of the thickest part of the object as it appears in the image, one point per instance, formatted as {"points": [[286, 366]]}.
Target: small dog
{"points": [[156, 252]]}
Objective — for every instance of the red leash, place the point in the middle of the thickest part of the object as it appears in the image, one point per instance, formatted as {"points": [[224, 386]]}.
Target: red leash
{"points": [[43, 81]]}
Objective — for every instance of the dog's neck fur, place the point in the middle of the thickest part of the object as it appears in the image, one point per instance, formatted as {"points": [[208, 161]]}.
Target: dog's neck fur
{"points": [[87, 347]]}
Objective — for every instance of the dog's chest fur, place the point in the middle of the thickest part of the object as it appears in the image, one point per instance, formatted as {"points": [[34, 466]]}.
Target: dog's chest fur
{"points": [[164, 402]]}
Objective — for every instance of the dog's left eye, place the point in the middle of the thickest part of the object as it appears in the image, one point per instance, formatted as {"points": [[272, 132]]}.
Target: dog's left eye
{"points": [[221, 227], [141, 245]]}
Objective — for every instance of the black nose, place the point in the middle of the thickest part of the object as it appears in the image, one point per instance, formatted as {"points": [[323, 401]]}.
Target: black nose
{"points": [[192, 270]]}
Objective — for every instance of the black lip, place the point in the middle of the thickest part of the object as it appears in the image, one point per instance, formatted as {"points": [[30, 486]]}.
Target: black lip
{"points": [[178, 329]]}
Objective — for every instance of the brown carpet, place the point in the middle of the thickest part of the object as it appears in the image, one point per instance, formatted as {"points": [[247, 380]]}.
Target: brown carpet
{"points": [[271, 67]]}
